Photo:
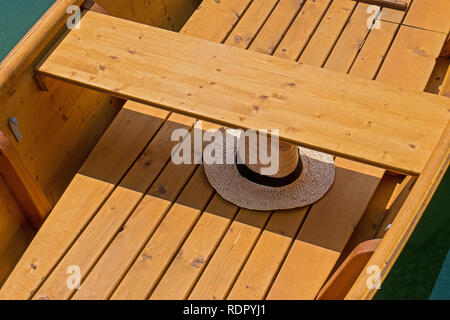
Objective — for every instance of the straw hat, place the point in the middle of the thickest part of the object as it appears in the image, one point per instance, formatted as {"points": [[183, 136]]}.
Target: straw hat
{"points": [[303, 175]]}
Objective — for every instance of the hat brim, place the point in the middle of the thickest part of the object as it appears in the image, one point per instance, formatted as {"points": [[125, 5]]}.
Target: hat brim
{"points": [[315, 180]]}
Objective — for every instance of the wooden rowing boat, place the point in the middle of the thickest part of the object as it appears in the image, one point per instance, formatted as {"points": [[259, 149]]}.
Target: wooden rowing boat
{"points": [[89, 194]]}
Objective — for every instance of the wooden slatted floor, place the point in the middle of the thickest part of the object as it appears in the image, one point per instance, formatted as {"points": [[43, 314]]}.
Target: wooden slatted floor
{"points": [[139, 227]]}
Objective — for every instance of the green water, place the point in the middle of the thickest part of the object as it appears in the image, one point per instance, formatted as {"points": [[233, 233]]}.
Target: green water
{"points": [[16, 18], [415, 272]]}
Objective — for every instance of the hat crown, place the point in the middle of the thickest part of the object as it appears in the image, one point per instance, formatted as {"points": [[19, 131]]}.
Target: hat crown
{"points": [[283, 155]]}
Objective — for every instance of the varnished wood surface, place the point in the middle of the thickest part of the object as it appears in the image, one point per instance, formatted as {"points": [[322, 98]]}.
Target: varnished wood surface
{"points": [[59, 127], [362, 120], [220, 248], [341, 282], [20, 181]]}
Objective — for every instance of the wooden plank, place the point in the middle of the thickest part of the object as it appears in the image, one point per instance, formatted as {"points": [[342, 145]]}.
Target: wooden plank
{"points": [[381, 142], [244, 287], [446, 49], [93, 6], [214, 19], [368, 62], [196, 252], [341, 282], [275, 27], [350, 41], [338, 212], [114, 212], [436, 82], [327, 33], [392, 4], [170, 287], [372, 218], [167, 14], [392, 15], [412, 47], [275, 240], [161, 247], [272, 247], [230, 256], [137, 281], [141, 224], [250, 23], [445, 88], [367, 70], [303, 27], [399, 197], [24, 187], [55, 143], [269, 247], [36, 40], [217, 24], [376, 215], [266, 258], [325, 232], [429, 15], [109, 160], [16, 232], [247, 285]]}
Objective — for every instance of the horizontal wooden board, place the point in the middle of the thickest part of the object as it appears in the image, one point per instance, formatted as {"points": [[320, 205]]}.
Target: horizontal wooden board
{"points": [[355, 118], [412, 47], [430, 15]]}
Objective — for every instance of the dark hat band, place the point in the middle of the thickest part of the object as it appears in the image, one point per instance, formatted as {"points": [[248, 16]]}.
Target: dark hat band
{"points": [[268, 181]]}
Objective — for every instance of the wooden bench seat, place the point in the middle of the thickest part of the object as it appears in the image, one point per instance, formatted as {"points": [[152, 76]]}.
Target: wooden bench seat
{"points": [[348, 116], [138, 226]]}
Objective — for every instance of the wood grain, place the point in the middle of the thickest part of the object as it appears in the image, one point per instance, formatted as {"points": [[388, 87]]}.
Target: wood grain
{"points": [[167, 14], [24, 187], [202, 23], [341, 282], [429, 15], [184, 271], [393, 15], [116, 210], [393, 4], [376, 46], [367, 121], [325, 232], [327, 33], [412, 47], [16, 231], [157, 252], [407, 218], [302, 29], [350, 42], [104, 168]]}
